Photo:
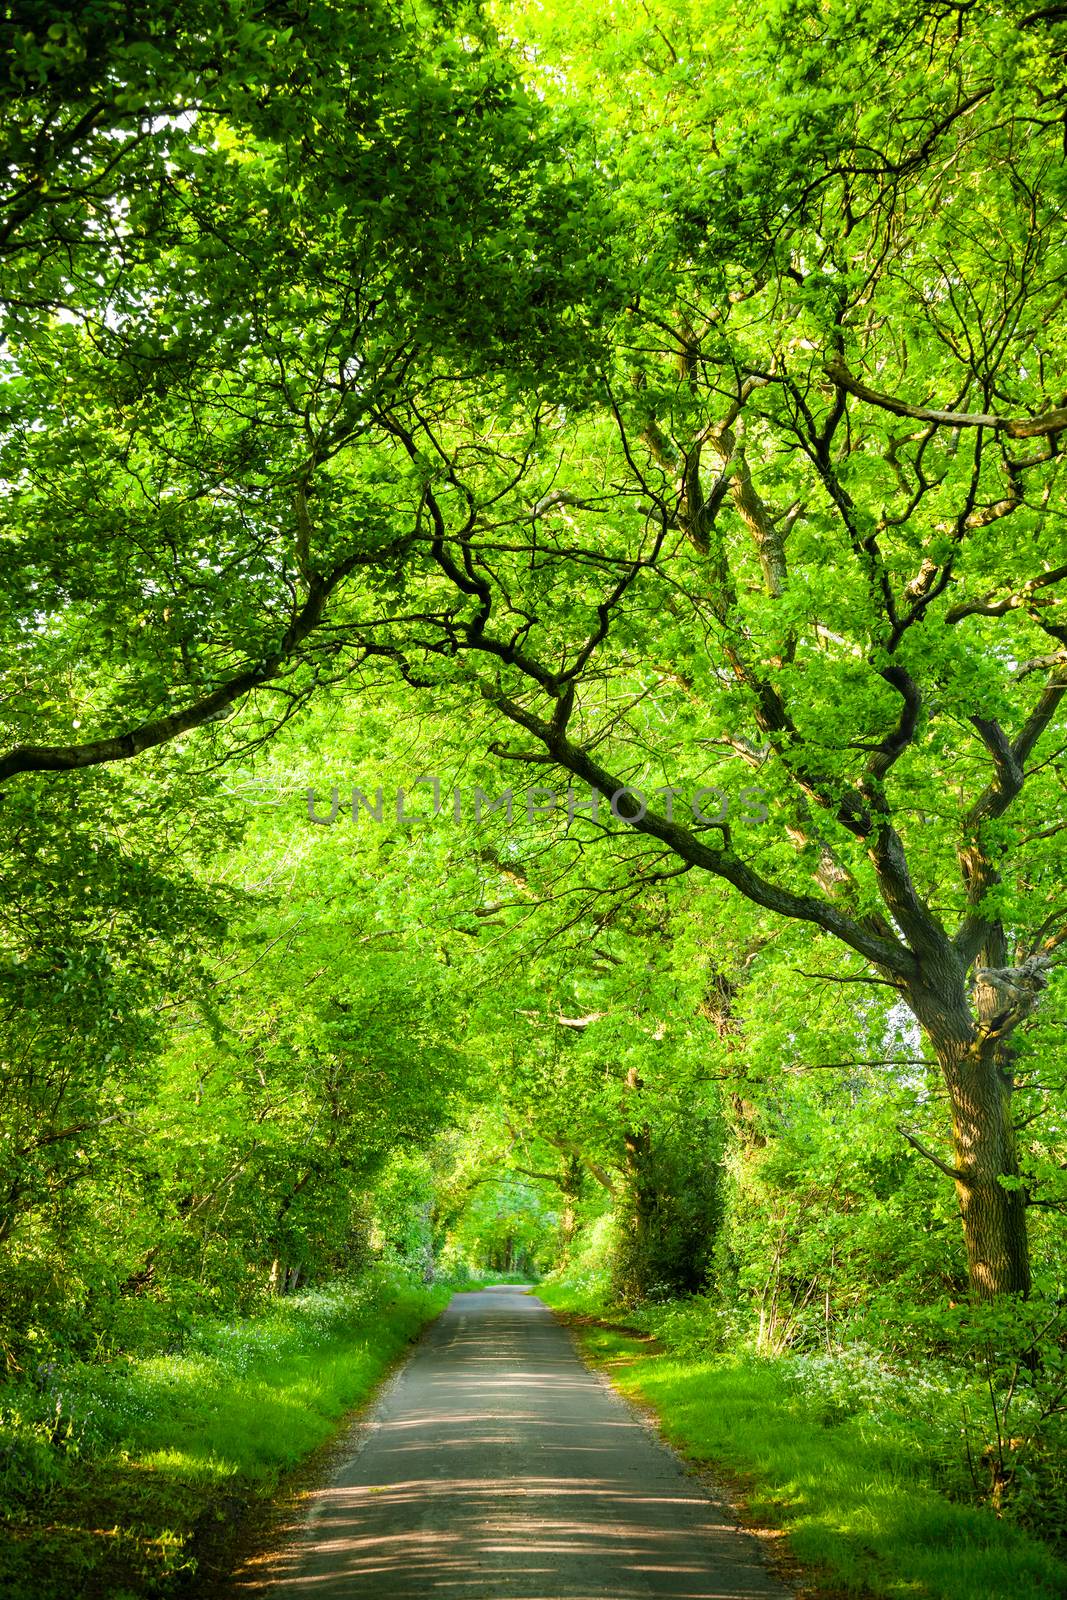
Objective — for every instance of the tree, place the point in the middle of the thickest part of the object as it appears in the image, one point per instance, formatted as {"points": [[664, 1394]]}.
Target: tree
{"points": [[108, 914], [791, 532], [232, 236]]}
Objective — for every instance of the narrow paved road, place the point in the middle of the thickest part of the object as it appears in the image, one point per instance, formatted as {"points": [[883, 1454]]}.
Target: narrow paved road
{"points": [[496, 1466]]}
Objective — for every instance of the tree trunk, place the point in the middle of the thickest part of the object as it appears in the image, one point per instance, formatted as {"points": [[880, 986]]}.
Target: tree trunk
{"points": [[971, 1029], [979, 1081], [570, 1186]]}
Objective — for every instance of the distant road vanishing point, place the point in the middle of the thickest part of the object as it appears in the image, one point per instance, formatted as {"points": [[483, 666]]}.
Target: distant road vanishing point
{"points": [[494, 1466]]}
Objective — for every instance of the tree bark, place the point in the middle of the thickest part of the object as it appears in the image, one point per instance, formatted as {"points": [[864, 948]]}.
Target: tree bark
{"points": [[971, 1036], [570, 1186], [979, 1081]]}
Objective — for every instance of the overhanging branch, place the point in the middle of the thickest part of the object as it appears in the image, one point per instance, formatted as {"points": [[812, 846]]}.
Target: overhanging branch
{"points": [[885, 952], [1014, 427], [161, 730]]}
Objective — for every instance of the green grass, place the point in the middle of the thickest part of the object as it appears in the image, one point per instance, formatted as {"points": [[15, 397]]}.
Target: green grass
{"points": [[855, 1493], [153, 1462]]}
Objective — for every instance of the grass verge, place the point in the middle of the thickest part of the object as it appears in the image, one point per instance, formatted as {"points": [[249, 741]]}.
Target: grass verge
{"points": [[132, 1479], [855, 1494]]}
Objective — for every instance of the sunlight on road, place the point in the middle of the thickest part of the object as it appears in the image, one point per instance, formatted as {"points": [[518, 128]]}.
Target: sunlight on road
{"points": [[497, 1466]]}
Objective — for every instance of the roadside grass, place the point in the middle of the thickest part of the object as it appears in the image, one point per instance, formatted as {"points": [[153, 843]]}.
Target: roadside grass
{"points": [[856, 1494], [131, 1479]]}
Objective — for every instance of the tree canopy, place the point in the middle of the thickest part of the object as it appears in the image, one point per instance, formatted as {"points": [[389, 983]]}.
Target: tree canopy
{"points": [[661, 404]]}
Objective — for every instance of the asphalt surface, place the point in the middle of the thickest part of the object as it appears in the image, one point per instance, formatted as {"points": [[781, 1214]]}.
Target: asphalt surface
{"points": [[495, 1466]]}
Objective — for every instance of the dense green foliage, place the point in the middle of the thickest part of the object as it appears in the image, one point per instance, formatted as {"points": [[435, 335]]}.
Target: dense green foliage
{"points": [[533, 680]]}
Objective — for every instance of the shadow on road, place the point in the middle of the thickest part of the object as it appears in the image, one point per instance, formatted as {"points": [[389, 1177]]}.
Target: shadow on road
{"points": [[497, 1466]]}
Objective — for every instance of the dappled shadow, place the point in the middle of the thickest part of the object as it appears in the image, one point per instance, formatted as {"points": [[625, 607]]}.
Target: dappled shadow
{"points": [[498, 1466]]}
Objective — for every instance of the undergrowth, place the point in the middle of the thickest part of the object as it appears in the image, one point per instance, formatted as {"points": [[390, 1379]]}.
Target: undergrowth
{"points": [[871, 1470], [126, 1479]]}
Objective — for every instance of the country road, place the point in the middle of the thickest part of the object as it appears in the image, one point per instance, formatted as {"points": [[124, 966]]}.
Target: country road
{"points": [[495, 1465]]}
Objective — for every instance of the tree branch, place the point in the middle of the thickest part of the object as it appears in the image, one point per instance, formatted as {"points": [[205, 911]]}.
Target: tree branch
{"points": [[883, 950], [942, 1166], [161, 730], [987, 607], [1014, 427]]}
